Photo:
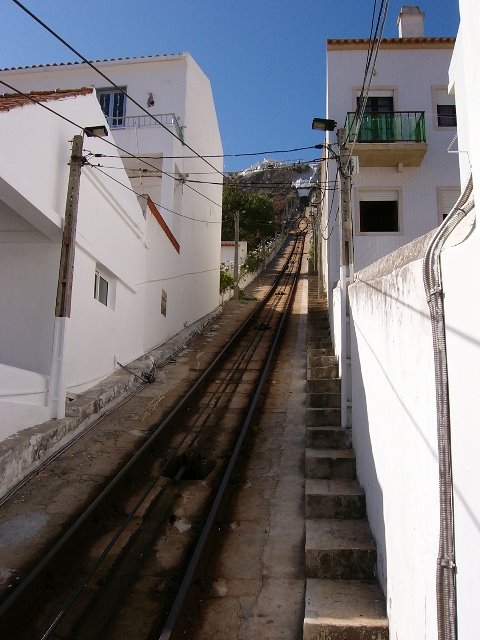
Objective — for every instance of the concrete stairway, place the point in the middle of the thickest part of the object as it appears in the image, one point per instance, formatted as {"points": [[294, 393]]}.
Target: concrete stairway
{"points": [[343, 600]]}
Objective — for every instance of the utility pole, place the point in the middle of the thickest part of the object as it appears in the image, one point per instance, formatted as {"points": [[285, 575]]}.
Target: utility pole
{"points": [[346, 277], [67, 256], [235, 258], [57, 391]]}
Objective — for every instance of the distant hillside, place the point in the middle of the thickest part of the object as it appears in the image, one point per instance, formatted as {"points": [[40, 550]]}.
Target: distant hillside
{"points": [[274, 183]]}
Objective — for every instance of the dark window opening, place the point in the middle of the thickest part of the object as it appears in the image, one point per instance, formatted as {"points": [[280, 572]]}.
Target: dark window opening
{"points": [[377, 104], [446, 115], [378, 119], [163, 304], [100, 291], [112, 104], [379, 216]]}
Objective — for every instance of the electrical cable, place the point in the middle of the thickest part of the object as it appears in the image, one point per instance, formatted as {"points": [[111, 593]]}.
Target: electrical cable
{"points": [[103, 139], [322, 231], [92, 66], [369, 56], [146, 197], [370, 66], [228, 155]]}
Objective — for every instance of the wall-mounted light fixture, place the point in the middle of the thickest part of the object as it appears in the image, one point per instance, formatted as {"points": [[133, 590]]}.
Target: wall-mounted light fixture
{"points": [[95, 132], [322, 124]]}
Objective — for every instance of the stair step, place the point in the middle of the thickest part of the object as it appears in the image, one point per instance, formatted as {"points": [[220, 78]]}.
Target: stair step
{"points": [[325, 385], [320, 360], [314, 333], [330, 463], [318, 317], [319, 373], [342, 499], [320, 352], [324, 343], [323, 400], [318, 436], [344, 610], [339, 550]]}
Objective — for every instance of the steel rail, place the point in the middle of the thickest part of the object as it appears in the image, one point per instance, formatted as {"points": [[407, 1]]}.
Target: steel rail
{"points": [[20, 589], [197, 553], [192, 437]]}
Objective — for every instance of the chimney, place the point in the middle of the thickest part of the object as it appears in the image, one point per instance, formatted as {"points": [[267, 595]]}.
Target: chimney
{"points": [[410, 22]]}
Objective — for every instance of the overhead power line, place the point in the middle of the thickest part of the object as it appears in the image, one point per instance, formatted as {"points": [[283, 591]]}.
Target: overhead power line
{"points": [[372, 54], [103, 139], [226, 155], [146, 197], [92, 66]]}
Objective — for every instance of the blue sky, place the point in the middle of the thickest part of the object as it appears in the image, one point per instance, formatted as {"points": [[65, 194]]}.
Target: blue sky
{"points": [[265, 60]]}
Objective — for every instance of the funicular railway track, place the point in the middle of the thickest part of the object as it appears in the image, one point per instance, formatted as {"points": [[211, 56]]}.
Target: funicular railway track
{"points": [[124, 566]]}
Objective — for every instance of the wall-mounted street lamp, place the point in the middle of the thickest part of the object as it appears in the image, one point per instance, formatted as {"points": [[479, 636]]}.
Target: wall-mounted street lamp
{"points": [[323, 124], [96, 132]]}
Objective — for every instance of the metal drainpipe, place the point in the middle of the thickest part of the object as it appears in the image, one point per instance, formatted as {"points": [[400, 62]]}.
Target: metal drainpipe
{"points": [[432, 278]]}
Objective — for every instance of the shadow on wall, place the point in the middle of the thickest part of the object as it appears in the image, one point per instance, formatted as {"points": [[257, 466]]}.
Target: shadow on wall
{"points": [[362, 412], [364, 449]]}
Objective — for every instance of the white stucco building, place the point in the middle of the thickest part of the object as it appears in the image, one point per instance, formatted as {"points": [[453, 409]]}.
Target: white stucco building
{"points": [[395, 423], [144, 271], [407, 180]]}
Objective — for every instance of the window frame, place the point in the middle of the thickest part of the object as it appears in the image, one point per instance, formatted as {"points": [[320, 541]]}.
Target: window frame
{"points": [[441, 97], [444, 115], [362, 195], [99, 277], [163, 303], [456, 191], [110, 117]]}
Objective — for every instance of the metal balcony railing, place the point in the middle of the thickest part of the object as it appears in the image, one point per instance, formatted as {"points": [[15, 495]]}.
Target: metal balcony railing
{"points": [[390, 126], [125, 122]]}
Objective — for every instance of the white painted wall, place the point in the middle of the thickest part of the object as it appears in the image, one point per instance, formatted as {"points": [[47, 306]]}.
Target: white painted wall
{"points": [[413, 74], [190, 278], [110, 233], [394, 415], [228, 252]]}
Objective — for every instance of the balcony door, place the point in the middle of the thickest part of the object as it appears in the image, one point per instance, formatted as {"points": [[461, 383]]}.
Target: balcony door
{"points": [[378, 120], [112, 103]]}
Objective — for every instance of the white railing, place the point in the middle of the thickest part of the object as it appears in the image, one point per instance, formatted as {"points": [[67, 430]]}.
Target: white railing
{"points": [[126, 122]]}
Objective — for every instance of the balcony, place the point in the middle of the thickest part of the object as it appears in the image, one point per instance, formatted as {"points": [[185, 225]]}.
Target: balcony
{"points": [[389, 139], [128, 122]]}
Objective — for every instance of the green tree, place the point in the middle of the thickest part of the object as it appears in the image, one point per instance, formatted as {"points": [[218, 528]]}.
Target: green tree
{"points": [[257, 215]]}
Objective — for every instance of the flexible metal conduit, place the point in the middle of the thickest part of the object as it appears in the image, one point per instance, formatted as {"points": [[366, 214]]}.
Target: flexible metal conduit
{"points": [[432, 279]]}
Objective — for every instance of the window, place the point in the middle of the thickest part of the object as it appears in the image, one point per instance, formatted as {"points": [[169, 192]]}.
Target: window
{"points": [[377, 121], [378, 212], [444, 111], [378, 216], [446, 199], [446, 115], [163, 307], [100, 291], [112, 104], [377, 104]]}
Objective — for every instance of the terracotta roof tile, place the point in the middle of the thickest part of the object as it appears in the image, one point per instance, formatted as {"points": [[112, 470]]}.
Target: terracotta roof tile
{"points": [[78, 62], [395, 41], [11, 100]]}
